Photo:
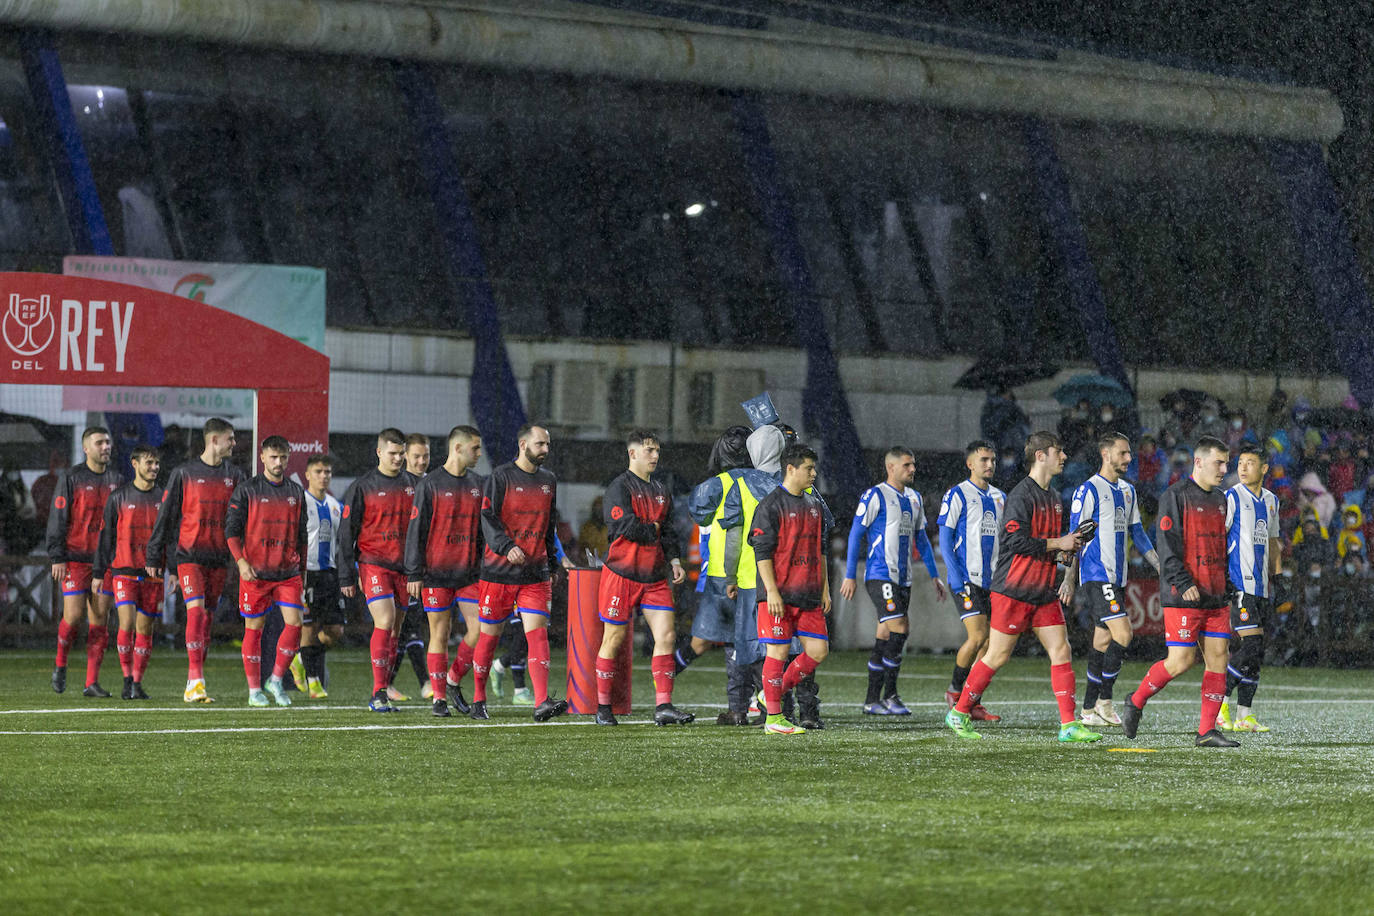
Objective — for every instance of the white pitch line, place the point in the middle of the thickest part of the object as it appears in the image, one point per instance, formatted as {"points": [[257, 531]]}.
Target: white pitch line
{"points": [[309, 728]]}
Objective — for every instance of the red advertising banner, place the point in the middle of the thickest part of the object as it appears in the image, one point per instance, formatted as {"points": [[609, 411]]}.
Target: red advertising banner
{"points": [[59, 330], [1143, 607]]}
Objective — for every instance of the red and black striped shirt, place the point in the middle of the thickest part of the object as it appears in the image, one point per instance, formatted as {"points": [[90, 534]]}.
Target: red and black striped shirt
{"points": [[372, 530], [130, 514], [637, 550], [444, 540], [1026, 570], [790, 531], [78, 506], [266, 525], [191, 520], [518, 510]]}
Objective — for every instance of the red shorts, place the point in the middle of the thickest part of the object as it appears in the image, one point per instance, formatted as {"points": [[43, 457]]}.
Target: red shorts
{"points": [[1012, 617], [439, 600], [497, 600], [78, 580], [1183, 625], [380, 583], [617, 597], [140, 591], [795, 621], [257, 597], [199, 582]]}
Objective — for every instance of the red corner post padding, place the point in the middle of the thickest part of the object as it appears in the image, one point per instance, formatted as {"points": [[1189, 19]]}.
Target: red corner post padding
{"points": [[584, 641]]}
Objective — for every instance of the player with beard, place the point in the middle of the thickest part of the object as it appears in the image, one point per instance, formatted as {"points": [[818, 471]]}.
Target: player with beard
{"points": [[78, 507], [130, 513], [189, 538], [518, 558]]}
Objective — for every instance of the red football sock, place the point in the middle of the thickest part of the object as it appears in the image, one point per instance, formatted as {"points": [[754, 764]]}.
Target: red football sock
{"points": [[252, 657], [124, 646], [1155, 680], [979, 676], [1061, 679], [438, 671], [605, 680], [393, 655], [801, 666], [380, 649], [97, 638], [664, 668], [1213, 692], [143, 652], [482, 655], [537, 662], [462, 661], [772, 684], [195, 626], [65, 632], [288, 644]]}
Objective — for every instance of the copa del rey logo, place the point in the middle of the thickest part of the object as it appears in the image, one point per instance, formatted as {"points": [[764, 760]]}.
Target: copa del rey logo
{"points": [[81, 336]]}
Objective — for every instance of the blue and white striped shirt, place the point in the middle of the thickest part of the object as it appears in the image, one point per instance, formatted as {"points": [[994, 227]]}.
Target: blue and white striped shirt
{"points": [[322, 527], [1250, 522], [1113, 506], [894, 523], [972, 517]]}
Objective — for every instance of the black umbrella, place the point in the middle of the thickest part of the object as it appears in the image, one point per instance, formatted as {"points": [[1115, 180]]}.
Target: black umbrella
{"points": [[993, 374]]}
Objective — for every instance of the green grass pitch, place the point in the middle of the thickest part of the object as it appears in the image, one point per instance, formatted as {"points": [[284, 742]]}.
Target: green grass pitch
{"points": [[107, 806]]}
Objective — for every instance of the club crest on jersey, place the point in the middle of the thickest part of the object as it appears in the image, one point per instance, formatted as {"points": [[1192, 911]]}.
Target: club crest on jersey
{"points": [[410, 491], [1244, 614], [1058, 509], [474, 493], [290, 500], [812, 512], [228, 481], [546, 489]]}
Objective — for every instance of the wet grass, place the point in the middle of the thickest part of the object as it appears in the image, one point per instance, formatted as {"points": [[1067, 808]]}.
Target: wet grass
{"points": [[327, 808]]}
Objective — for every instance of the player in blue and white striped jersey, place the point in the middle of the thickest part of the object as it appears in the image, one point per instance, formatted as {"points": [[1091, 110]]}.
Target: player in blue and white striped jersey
{"points": [[970, 519], [1109, 500], [1252, 553], [324, 618], [892, 519]]}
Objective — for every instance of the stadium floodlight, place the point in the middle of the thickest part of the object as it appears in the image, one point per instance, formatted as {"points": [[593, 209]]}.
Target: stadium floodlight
{"points": [[695, 209]]}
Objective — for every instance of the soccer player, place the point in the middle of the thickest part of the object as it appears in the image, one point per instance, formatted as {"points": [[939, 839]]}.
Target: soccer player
{"points": [[325, 610], [372, 537], [643, 548], [265, 529], [78, 506], [189, 538], [1109, 500], [130, 513], [443, 558], [512, 661], [892, 518], [1193, 591], [518, 517], [1023, 590], [788, 533], [1252, 547], [970, 517], [409, 630]]}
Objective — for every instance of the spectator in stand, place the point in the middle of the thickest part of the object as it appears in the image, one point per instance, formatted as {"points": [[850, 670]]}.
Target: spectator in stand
{"points": [[1151, 460], [1180, 466], [1340, 476], [1076, 428], [1350, 539], [1311, 546], [43, 488], [592, 535], [1002, 421], [1276, 414], [1281, 485], [1237, 430], [1313, 493]]}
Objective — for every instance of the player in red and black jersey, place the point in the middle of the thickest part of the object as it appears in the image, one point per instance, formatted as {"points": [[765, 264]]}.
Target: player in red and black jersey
{"points": [[518, 559], [1193, 591], [189, 539], [1024, 593], [444, 557], [372, 543], [643, 547], [788, 534], [130, 513], [265, 530], [78, 506], [409, 631]]}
